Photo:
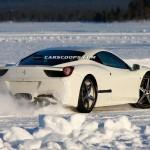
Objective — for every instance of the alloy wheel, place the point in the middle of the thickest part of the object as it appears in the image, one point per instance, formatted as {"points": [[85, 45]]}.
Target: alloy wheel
{"points": [[144, 100], [87, 96]]}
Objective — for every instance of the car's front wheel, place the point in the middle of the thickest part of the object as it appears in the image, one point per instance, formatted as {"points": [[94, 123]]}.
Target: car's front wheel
{"points": [[144, 100], [87, 95]]}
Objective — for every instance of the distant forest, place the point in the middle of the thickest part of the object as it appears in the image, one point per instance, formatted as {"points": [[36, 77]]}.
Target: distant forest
{"points": [[136, 10]]}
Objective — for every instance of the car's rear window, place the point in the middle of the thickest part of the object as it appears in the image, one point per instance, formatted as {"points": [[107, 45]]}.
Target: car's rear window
{"points": [[51, 57]]}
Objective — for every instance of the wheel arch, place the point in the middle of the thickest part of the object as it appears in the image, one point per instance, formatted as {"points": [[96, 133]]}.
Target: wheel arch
{"points": [[139, 104], [147, 73]]}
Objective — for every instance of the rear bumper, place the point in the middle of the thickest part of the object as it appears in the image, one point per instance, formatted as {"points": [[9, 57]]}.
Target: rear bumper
{"points": [[60, 88]]}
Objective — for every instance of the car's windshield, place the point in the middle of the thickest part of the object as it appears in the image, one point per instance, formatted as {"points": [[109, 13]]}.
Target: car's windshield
{"points": [[51, 57]]}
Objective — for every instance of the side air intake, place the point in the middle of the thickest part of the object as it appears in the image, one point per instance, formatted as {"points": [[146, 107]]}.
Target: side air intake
{"points": [[3, 71]]}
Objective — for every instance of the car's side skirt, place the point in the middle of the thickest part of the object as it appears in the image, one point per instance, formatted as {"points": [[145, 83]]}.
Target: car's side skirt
{"points": [[105, 91]]}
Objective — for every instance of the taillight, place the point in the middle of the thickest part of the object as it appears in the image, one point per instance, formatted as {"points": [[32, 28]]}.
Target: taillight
{"points": [[67, 71], [3, 71], [52, 73]]}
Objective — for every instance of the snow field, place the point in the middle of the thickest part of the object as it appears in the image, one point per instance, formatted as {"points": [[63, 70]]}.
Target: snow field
{"points": [[60, 128], [76, 132], [15, 46]]}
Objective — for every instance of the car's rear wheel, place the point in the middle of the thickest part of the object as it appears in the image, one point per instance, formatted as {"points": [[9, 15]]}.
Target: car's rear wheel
{"points": [[144, 100], [87, 95]]}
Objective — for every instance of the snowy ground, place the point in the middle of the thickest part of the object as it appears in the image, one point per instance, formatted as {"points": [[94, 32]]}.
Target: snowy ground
{"points": [[25, 127]]}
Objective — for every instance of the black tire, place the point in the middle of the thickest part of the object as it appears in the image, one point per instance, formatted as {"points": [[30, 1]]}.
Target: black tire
{"points": [[144, 100], [88, 95]]}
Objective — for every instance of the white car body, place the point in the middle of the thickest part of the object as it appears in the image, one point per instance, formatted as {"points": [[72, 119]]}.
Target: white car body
{"points": [[121, 85]]}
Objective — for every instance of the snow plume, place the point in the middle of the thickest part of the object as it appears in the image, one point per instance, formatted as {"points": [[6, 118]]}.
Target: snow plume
{"points": [[75, 132], [13, 107], [10, 106]]}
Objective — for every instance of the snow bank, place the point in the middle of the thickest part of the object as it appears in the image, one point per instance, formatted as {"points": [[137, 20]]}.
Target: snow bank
{"points": [[42, 27], [76, 132], [17, 134], [30, 145]]}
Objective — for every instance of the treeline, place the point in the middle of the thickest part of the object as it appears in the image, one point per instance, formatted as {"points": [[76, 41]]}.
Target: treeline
{"points": [[137, 10]]}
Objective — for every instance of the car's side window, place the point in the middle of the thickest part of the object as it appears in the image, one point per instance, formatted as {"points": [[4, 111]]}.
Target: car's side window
{"points": [[108, 59]]}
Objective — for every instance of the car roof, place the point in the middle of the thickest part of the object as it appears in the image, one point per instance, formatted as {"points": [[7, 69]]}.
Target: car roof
{"points": [[87, 51]]}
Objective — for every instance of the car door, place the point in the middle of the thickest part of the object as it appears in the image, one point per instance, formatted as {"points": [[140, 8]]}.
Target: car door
{"points": [[124, 83]]}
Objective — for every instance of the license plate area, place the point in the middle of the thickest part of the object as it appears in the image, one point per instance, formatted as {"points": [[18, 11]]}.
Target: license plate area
{"points": [[23, 87]]}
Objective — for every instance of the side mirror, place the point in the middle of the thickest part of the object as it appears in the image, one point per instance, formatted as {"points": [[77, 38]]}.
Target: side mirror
{"points": [[135, 67]]}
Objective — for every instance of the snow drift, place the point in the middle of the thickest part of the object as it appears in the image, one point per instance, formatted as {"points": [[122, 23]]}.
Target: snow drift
{"points": [[76, 132]]}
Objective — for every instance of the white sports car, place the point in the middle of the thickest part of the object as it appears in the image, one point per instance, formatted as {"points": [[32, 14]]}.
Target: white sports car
{"points": [[77, 77]]}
